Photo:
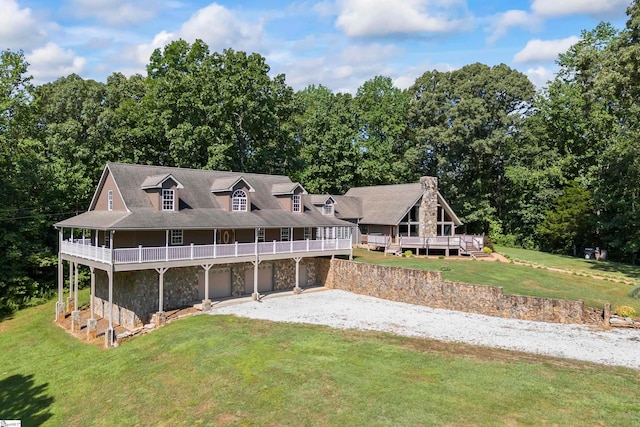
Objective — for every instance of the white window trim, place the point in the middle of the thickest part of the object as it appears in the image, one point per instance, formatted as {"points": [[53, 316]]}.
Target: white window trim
{"points": [[168, 195], [284, 235], [296, 203], [260, 234], [176, 237], [327, 209], [239, 201], [307, 233], [110, 200]]}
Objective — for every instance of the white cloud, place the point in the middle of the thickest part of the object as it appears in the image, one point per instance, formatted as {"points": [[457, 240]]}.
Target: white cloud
{"points": [[502, 22], [537, 50], [598, 8], [114, 12], [51, 61], [540, 76], [216, 25], [410, 74], [18, 27], [364, 18]]}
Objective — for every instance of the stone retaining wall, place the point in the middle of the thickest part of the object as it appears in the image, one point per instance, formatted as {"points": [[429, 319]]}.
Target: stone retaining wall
{"points": [[427, 288]]}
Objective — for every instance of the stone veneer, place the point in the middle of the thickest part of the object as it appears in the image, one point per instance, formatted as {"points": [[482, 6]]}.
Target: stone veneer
{"points": [[135, 293], [428, 213], [427, 288]]}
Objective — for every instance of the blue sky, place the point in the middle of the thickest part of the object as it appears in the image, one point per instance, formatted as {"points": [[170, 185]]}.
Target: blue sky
{"points": [[336, 43]]}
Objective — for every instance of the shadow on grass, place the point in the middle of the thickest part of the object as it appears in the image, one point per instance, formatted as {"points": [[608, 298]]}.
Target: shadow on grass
{"points": [[615, 267], [22, 399]]}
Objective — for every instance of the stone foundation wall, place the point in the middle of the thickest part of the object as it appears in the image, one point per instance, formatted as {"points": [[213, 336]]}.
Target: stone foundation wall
{"points": [[427, 288], [135, 293]]}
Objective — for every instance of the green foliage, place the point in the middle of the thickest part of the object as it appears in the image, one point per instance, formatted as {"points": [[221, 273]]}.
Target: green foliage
{"points": [[568, 224], [487, 250], [407, 254], [635, 292], [625, 311]]}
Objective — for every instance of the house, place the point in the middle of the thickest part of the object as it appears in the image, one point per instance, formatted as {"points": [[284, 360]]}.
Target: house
{"points": [[156, 238], [409, 216]]}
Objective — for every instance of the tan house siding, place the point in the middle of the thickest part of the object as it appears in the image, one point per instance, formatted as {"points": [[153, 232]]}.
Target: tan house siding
{"points": [[102, 203]]}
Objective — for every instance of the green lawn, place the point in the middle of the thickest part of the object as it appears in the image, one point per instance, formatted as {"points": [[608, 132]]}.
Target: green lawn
{"points": [[516, 279], [222, 370], [564, 262]]}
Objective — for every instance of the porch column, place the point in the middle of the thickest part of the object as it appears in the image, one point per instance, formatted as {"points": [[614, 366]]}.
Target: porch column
{"points": [[255, 295], [160, 318], [60, 303], [75, 314], [297, 289], [110, 333], [206, 302], [70, 297], [92, 323]]}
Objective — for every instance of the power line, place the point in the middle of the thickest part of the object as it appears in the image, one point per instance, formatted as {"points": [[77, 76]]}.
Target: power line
{"points": [[38, 215]]}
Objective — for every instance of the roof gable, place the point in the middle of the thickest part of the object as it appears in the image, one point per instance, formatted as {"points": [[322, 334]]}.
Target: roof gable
{"points": [[103, 178], [285, 189], [221, 185], [157, 181]]}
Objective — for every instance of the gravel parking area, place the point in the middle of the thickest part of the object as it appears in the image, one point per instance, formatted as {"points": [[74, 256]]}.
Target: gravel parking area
{"points": [[339, 309]]}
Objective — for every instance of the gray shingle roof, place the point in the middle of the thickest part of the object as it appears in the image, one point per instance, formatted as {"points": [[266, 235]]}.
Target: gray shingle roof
{"points": [[285, 188], [156, 181], [198, 206], [348, 207], [386, 204]]}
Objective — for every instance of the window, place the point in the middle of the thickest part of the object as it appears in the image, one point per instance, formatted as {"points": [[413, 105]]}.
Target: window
{"points": [[307, 233], [327, 209], [176, 237], [106, 240], [260, 234], [284, 234], [239, 201], [168, 200], [297, 205], [110, 200]]}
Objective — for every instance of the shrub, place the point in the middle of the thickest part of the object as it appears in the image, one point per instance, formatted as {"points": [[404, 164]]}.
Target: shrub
{"points": [[441, 257], [635, 292], [625, 311], [407, 253], [487, 250]]}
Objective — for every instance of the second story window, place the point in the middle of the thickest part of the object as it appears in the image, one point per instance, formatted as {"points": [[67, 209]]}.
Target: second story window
{"points": [[176, 237], [239, 201], [297, 203], [110, 200], [327, 209], [260, 234], [168, 200]]}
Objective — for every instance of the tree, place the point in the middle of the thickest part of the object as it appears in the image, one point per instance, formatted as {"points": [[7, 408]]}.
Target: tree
{"points": [[464, 122], [25, 243], [387, 156], [326, 130], [568, 224]]}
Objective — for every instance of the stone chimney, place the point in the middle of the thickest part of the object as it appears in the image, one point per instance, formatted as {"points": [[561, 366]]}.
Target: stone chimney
{"points": [[429, 207]]}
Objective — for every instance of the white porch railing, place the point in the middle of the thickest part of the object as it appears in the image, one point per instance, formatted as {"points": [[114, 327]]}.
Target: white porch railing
{"points": [[464, 242], [193, 252]]}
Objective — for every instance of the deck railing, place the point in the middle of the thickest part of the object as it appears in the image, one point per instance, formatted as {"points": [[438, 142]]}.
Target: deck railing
{"points": [[465, 242], [143, 254]]}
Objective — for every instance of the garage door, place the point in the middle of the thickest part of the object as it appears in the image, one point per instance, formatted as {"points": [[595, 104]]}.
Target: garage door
{"points": [[219, 284], [265, 279]]}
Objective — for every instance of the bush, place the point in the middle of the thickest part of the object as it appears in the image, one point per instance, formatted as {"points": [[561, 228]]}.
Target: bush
{"points": [[625, 311], [441, 257], [407, 253], [635, 292], [488, 243], [487, 250]]}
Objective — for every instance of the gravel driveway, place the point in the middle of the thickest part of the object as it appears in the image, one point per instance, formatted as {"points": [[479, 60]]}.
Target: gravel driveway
{"points": [[339, 309]]}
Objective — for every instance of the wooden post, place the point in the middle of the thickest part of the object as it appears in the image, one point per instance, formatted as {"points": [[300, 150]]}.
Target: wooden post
{"points": [[92, 323], [206, 302], [60, 303], [296, 289]]}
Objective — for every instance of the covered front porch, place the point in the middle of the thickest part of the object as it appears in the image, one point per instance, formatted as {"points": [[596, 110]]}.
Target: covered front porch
{"points": [[177, 275]]}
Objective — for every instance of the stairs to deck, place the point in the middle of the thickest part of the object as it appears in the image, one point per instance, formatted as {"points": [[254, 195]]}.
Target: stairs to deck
{"points": [[393, 249], [478, 254]]}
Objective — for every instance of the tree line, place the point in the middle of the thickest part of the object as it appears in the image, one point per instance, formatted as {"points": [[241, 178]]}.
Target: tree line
{"points": [[555, 169]]}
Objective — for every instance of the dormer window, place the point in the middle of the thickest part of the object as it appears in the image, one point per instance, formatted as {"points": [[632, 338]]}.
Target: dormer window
{"points": [[239, 201], [296, 203], [327, 208], [168, 200], [110, 200]]}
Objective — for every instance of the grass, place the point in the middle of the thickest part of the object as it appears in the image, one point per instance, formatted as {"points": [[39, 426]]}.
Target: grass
{"points": [[608, 269], [516, 279], [222, 370]]}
